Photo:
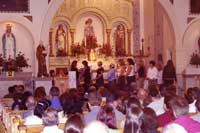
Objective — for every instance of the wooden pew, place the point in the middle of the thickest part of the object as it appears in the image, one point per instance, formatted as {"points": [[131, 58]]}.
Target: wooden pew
{"points": [[35, 128]]}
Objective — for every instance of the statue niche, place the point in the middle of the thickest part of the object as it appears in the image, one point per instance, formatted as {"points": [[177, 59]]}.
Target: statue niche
{"points": [[61, 40], [119, 40]]}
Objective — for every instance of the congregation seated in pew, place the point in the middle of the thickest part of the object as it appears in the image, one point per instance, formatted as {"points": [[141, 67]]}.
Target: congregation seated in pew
{"points": [[114, 106]]}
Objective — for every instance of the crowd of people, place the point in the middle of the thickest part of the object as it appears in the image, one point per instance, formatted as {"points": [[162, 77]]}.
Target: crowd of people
{"points": [[134, 100]]}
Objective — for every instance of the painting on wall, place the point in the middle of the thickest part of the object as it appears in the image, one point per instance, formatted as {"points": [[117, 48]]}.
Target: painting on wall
{"points": [[14, 6], [194, 6]]}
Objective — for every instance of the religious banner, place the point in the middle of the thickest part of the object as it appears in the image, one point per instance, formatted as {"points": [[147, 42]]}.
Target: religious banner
{"points": [[14, 5]]}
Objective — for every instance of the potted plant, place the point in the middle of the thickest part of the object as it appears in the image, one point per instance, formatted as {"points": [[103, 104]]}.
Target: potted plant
{"points": [[195, 59]]}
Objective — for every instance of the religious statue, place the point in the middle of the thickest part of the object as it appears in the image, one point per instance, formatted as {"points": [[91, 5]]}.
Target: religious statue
{"points": [[92, 55], [61, 41], [119, 39], [9, 43], [90, 40], [41, 55]]}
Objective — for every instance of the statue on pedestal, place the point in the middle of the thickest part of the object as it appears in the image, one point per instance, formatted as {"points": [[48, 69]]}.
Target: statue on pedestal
{"points": [[41, 56], [61, 40], [9, 43]]}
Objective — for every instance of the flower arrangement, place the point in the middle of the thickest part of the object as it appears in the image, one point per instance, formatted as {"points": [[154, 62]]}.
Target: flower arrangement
{"points": [[195, 59], [77, 49], [16, 64], [106, 49]]}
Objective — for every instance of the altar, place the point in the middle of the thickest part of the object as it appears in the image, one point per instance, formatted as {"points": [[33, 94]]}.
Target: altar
{"points": [[24, 78]]}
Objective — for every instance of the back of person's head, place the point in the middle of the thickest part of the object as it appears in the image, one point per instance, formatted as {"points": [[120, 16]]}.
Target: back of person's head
{"points": [[121, 62], [18, 104], [50, 117], [167, 100], [107, 116], [74, 63], [73, 102], [149, 120], [142, 93], [41, 107], [133, 102], [174, 128], [85, 63], [11, 89], [99, 63], [152, 62], [103, 92], [94, 98], [20, 89], [96, 127], [40, 93], [130, 61], [112, 65], [197, 104], [153, 91], [74, 124], [30, 103], [54, 91], [133, 120], [172, 89], [179, 106]]}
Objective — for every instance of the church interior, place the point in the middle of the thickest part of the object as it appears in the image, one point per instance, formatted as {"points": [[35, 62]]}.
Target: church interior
{"points": [[99, 66]]}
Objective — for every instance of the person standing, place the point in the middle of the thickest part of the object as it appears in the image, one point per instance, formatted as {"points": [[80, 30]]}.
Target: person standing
{"points": [[121, 79], [41, 55], [86, 75], [141, 73], [111, 76], [169, 73], [75, 69], [99, 77], [130, 71], [152, 73], [160, 73]]}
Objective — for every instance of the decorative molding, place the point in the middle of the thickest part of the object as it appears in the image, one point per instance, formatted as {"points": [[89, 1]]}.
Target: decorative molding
{"points": [[30, 18]]}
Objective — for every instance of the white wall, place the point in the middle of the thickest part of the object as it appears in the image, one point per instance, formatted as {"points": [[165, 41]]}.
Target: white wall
{"points": [[24, 42]]}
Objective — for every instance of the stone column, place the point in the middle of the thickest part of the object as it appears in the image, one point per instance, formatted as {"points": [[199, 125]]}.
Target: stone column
{"points": [[129, 40], [51, 42], [108, 31], [72, 31]]}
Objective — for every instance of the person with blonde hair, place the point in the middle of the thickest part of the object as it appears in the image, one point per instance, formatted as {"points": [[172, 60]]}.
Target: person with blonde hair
{"points": [[96, 127]]}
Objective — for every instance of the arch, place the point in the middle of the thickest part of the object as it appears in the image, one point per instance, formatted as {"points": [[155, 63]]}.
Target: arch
{"points": [[125, 22], [53, 7], [189, 26], [190, 39], [21, 21], [21, 25], [97, 12], [169, 9], [61, 19]]}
